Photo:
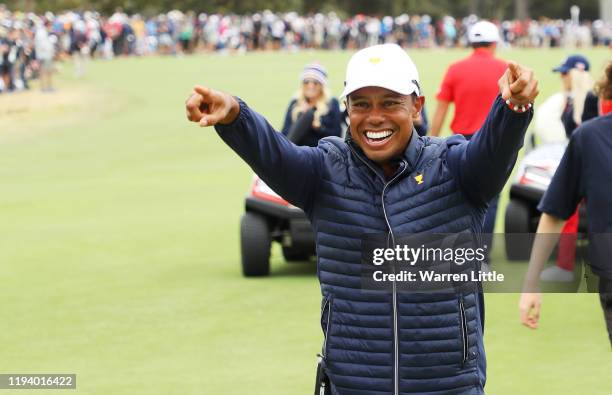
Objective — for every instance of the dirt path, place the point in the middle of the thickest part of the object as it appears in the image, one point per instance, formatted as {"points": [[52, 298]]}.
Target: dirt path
{"points": [[28, 113]]}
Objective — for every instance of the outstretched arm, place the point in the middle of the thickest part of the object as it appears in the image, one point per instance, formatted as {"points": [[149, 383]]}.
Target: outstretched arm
{"points": [[292, 171], [484, 164]]}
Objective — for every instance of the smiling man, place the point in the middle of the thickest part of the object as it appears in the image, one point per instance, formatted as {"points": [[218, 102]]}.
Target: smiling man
{"points": [[385, 179], [382, 138]]}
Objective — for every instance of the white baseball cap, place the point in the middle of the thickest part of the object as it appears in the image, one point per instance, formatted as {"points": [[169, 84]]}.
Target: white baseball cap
{"points": [[483, 32], [386, 66]]}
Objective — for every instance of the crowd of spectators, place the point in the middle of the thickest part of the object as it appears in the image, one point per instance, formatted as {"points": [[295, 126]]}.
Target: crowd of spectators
{"points": [[29, 43]]}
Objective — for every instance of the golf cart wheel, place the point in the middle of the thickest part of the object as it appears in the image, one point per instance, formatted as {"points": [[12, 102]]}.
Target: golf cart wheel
{"points": [[517, 228], [294, 254], [255, 245]]}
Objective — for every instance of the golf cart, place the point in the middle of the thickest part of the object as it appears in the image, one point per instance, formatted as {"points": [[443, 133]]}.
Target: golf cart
{"points": [[268, 218], [522, 216]]}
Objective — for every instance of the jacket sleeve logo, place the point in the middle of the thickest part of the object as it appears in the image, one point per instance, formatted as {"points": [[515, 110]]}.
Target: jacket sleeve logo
{"points": [[419, 179]]}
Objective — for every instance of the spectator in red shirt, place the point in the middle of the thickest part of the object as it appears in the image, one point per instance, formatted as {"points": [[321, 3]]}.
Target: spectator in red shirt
{"points": [[471, 84]]}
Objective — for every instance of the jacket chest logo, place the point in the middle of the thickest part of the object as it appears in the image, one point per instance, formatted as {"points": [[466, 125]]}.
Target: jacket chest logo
{"points": [[419, 178]]}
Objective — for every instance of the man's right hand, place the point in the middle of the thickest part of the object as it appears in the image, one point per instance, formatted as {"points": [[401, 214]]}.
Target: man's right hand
{"points": [[209, 107]]}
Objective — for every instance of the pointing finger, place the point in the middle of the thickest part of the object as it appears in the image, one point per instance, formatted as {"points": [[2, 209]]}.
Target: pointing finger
{"points": [[518, 86], [515, 71], [530, 92], [525, 88], [504, 85], [202, 91], [521, 82]]}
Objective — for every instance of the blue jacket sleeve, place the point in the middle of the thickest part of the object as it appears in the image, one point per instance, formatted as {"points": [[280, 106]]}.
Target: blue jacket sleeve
{"points": [[292, 171], [484, 164], [566, 187]]}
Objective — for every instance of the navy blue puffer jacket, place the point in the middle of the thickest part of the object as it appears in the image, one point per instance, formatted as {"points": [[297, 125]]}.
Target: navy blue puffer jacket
{"points": [[389, 343]]}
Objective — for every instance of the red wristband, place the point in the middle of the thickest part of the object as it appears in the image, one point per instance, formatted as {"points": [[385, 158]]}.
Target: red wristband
{"points": [[519, 108]]}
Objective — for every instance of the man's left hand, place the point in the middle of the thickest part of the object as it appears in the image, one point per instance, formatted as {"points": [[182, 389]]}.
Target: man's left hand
{"points": [[518, 84]]}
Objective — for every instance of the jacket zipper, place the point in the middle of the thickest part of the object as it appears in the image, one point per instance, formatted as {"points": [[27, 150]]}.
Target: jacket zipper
{"points": [[395, 331], [464, 331], [328, 304]]}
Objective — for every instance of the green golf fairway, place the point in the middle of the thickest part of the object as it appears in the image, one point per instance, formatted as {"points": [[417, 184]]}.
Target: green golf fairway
{"points": [[119, 248]]}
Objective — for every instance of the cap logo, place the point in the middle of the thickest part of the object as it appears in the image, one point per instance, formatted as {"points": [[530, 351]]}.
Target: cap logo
{"points": [[580, 66], [374, 60]]}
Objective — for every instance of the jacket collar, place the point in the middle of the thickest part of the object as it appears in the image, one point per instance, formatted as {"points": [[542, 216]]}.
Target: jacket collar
{"points": [[412, 153]]}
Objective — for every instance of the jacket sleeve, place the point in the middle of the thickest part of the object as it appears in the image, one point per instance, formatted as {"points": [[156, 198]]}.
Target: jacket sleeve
{"points": [[291, 171], [566, 188], [484, 164]]}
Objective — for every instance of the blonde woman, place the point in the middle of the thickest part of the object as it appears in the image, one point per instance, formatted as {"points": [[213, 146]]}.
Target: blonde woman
{"points": [[580, 106], [578, 86], [313, 113]]}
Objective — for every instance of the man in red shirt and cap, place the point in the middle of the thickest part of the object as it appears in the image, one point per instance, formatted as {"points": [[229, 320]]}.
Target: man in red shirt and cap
{"points": [[471, 84]]}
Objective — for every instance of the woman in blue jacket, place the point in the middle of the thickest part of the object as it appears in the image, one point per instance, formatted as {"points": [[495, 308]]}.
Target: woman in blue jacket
{"points": [[313, 113]]}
